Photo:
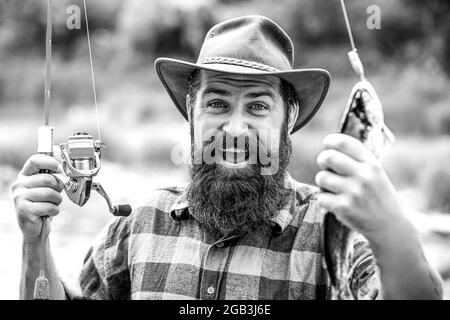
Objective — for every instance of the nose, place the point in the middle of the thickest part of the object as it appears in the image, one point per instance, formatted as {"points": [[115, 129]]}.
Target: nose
{"points": [[236, 124]]}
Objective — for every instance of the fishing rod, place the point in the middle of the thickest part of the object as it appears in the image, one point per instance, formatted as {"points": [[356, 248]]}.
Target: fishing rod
{"points": [[80, 156]]}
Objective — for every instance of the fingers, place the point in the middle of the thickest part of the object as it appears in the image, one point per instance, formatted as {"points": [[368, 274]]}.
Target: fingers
{"points": [[36, 195], [40, 180], [29, 216], [350, 146], [336, 161], [329, 201], [338, 204], [38, 162], [332, 182], [43, 195], [42, 209], [32, 204]]}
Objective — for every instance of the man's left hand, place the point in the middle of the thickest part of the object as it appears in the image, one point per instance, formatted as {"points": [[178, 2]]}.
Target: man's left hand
{"points": [[356, 188]]}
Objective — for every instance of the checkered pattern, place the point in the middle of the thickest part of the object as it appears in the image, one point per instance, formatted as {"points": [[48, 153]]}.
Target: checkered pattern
{"points": [[161, 252]]}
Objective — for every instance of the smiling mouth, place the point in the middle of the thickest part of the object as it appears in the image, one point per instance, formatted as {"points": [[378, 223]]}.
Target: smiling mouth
{"points": [[235, 157]]}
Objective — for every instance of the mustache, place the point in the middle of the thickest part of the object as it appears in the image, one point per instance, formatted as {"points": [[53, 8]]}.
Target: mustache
{"points": [[248, 143]]}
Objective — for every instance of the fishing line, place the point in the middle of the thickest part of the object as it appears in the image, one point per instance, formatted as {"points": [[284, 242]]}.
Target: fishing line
{"points": [[347, 23], [92, 71]]}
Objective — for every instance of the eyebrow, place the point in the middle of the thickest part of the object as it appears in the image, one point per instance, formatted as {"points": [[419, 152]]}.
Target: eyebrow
{"points": [[258, 94], [216, 91], [251, 95]]}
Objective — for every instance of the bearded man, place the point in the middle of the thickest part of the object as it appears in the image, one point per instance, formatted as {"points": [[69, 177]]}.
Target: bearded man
{"points": [[242, 228]]}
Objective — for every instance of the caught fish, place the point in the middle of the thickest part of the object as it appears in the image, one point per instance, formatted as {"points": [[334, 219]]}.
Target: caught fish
{"points": [[363, 119]]}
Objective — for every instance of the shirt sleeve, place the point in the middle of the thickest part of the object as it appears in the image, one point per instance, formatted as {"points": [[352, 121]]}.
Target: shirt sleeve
{"points": [[364, 275], [105, 274]]}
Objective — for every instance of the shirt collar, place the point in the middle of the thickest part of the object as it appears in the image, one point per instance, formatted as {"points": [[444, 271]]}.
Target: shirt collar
{"points": [[180, 208]]}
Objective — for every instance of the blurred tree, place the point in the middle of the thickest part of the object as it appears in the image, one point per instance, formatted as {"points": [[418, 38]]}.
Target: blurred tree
{"points": [[22, 27], [316, 23], [411, 30], [414, 30], [23, 24], [165, 27], [434, 19], [102, 15]]}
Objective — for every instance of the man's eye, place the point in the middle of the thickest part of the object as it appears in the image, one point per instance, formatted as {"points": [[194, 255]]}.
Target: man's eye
{"points": [[258, 107], [216, 105]]}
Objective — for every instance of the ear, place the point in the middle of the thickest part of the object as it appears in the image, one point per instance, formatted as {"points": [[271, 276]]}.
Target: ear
{"points": [[292, 116]]}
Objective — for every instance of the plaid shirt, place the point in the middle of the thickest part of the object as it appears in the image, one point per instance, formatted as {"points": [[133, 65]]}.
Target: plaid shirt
{"points": [[161, 252]]}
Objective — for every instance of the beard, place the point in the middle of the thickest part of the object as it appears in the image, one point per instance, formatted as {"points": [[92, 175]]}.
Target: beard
{"points": [[238, 201]]}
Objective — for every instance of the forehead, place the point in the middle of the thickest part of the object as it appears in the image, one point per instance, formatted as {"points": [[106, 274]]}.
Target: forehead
{"points": [[239, 81]]}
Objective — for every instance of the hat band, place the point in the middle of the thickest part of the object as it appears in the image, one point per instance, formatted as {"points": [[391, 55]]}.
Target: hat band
{"points": [[238, 62]]}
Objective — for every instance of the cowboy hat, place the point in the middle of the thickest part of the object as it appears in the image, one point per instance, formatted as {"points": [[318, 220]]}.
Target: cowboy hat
{"points": [[249, 45]]}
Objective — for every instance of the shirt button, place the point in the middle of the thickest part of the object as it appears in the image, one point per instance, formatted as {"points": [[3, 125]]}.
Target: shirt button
{"points": [[219, 245], [210, 290]]}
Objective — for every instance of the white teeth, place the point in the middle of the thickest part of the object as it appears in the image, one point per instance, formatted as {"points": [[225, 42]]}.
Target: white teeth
{"points": [[234, 165], [234, 157], [233, 150]]}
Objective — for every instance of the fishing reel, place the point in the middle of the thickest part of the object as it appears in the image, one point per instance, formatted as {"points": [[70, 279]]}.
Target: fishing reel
{"points": [[80, 159]]}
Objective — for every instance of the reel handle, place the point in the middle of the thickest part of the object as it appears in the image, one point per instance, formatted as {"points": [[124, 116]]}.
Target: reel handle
{"points": [[122, 210]]}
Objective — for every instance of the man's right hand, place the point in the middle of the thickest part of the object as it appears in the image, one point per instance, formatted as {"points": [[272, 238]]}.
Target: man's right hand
{"points": [[36, 195]]}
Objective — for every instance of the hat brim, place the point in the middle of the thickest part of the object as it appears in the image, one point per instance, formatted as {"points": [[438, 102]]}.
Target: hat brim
{"points": [[311, 85]]}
